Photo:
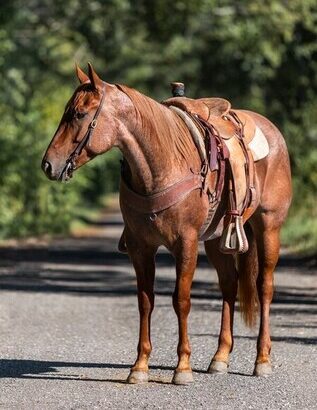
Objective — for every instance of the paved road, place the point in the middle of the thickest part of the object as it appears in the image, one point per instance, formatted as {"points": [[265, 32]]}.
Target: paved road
{"points": [[68, 320]]}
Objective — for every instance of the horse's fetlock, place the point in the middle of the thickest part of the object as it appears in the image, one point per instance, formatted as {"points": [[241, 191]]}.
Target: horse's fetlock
{"points": [[145, 348], [226, 341], [184, 351]]}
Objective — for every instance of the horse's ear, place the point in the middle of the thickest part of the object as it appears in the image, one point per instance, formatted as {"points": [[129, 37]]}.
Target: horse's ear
{"points": [[82, 77], [94, 79]]}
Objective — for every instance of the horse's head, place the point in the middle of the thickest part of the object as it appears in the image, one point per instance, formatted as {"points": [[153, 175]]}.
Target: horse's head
{"points": [[88, 127]]}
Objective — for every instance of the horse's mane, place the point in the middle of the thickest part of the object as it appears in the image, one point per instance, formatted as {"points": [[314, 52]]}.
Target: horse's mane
{"points": [[157, 119]]}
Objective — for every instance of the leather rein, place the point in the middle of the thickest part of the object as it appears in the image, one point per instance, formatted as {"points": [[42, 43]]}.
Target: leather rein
{"points": [[71, 160]]}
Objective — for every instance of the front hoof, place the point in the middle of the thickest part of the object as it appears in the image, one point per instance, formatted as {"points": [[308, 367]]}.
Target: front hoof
{"points": [[216, 367], [137, 377], [183, 378], [262, 369]]}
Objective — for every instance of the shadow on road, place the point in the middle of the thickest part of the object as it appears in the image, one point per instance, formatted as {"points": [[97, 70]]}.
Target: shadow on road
{"points": [[117, 279], [52, 370], [88, 268], [285, 339], [98, 254]]}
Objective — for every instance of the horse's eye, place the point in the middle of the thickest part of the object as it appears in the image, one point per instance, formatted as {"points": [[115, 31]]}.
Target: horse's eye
{"points": [[80, 115]]}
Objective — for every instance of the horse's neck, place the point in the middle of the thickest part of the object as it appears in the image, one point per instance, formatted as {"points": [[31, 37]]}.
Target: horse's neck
{"points": [[157, 146]]}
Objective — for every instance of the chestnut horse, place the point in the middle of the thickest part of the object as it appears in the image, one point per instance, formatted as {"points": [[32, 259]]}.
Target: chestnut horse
{"points": [[159, 151]]}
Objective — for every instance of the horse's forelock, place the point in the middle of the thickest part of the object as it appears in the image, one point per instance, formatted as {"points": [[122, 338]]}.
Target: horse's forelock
{"points": [[82, 95]]}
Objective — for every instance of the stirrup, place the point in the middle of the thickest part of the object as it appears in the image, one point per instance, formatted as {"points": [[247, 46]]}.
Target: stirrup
{"points": [[234, 239]]}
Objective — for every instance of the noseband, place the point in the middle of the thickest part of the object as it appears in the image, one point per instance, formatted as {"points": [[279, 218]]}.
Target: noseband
{"points": [[70, 162]]}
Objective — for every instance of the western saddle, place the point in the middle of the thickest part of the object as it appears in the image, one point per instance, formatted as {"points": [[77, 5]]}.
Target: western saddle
{"points": [[232, 132]]}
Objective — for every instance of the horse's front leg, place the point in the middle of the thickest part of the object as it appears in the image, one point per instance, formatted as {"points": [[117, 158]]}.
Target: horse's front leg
{"points": [[185, 252], [143, 259]]}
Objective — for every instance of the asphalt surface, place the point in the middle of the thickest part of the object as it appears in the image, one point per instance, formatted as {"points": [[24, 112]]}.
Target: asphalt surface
{"points": [[69, 327]]}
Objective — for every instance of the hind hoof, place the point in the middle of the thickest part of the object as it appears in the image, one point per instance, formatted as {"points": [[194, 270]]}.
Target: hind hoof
{"points": [[183, 378], [216, 367], [137, 377], [262, 369]]}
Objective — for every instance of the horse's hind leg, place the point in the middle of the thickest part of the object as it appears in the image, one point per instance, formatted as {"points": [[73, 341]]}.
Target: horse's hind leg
{"points": [[185, 252], [268, 245], [143, 259], [228, 281]]}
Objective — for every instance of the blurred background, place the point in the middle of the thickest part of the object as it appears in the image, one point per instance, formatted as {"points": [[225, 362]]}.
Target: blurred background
{"points": [[261, 55]]}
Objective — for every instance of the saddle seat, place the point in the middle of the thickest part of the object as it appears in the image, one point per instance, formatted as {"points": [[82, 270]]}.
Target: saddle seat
{"points": [[216, 111]]}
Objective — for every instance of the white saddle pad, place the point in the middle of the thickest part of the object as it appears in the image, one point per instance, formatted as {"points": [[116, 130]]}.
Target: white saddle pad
{"points": [[259, 145]]}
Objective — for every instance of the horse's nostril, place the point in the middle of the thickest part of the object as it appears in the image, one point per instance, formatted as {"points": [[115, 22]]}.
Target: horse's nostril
{"points": [[47, 168]]}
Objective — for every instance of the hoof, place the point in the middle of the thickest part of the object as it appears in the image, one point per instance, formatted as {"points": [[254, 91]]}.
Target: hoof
{"points": [[216, 367], [136, 377], [262, 369], [183, 378]]}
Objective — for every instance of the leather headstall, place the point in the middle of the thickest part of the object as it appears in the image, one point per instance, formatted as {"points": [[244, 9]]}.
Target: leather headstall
{"points": [[70, 162]]}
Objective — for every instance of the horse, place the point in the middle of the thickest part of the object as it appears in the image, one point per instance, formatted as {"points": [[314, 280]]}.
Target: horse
{"points": [[159, 152]]}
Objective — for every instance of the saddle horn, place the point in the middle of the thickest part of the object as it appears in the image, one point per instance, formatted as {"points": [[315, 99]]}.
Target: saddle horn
{"points": [[178, 89]]}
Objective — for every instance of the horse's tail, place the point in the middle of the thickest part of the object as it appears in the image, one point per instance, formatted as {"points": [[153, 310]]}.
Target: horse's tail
{"points": [[248, 272]]}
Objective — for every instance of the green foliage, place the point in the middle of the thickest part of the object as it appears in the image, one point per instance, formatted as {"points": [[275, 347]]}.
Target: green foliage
{"points": [[300, 230], [261, 55]]}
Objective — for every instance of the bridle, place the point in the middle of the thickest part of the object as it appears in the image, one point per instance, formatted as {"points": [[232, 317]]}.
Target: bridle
{"points": [[71, 160]]}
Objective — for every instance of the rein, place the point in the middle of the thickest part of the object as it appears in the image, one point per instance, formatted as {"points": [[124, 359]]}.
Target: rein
{"points": [[70, 162]]}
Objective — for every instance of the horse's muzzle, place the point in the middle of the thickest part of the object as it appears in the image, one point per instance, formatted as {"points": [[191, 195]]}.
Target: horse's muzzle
{"points": [[58, 174], [48, 169]]}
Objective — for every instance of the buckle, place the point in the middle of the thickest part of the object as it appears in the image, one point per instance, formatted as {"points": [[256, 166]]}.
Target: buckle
{"points": [[204, 169], [93, 123]]}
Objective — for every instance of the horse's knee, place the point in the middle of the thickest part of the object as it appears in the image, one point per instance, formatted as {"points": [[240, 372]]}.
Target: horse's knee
{"points": [[265, 286], [181, 304], [146, 303]]}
